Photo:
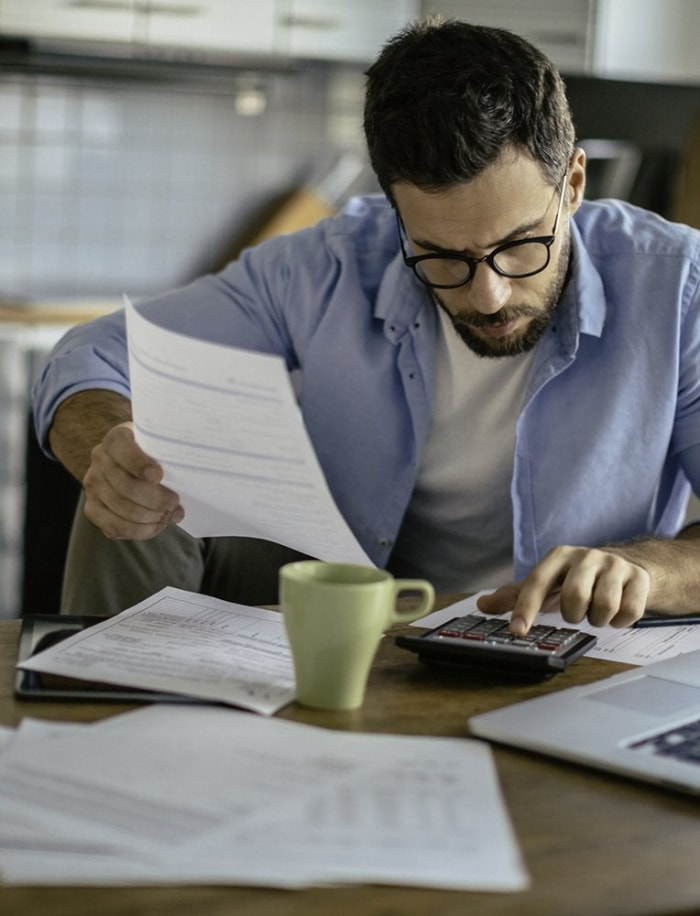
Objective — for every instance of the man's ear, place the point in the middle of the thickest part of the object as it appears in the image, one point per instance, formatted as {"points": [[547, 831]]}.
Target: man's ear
{"points": [[577, 180]]}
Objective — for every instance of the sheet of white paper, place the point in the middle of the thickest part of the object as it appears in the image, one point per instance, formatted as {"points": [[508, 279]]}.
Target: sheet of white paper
{"points": [[225, 426], [184, 643], [631, 646], [224, 797], [417, 811], [641, 646]]}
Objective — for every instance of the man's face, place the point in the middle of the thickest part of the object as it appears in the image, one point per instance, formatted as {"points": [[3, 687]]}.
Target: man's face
{"points": [[496, 315]]}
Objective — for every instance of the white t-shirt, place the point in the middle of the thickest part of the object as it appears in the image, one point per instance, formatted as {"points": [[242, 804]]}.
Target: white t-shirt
{"points": [[458, 530]]}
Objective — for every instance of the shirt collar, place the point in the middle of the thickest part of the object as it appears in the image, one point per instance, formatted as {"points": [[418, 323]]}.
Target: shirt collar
{"points": [[584, 294]]}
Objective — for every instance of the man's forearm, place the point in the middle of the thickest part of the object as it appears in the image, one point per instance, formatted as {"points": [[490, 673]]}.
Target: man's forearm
{"points": [[81, 422], [674, 568]]}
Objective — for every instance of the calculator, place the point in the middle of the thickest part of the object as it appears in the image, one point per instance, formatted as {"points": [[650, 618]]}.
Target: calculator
{"points": [[486, 644]]}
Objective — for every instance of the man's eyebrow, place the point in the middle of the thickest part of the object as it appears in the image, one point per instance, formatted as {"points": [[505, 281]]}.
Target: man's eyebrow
{"points": [[512, 236]]}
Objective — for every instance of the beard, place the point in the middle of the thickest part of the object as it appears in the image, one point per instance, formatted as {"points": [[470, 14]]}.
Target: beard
{"points": [[467, 323]]}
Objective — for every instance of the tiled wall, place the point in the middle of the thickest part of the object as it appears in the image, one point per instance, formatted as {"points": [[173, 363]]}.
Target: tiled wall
{"points": [[111, 187]]}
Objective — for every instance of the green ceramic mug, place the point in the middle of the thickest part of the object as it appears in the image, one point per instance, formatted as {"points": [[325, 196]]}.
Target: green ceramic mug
{"points": [[335, 615]]}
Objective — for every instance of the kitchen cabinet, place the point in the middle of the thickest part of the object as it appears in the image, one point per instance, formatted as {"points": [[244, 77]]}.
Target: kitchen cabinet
{"points": [[133, 26], [650, 40], [339, 30], [211, 25], [201, 30], [91, 20], [647, 40], [295, 29]]}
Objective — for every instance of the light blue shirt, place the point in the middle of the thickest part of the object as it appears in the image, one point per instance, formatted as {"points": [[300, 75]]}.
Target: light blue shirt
{"points": [[609, 435]]}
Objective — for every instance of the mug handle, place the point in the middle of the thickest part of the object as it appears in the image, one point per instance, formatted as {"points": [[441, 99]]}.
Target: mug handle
{"points": [[423, 608]]}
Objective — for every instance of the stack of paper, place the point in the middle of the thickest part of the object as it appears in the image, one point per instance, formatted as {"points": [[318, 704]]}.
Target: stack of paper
{"points": [[203, 794]]}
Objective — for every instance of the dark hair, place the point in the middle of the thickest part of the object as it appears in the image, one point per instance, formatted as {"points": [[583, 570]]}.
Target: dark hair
{"points": [[445, 98]]}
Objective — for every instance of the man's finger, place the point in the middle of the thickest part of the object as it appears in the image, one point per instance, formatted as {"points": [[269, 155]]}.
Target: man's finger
{"points": [[120, 446], [534, 591]]}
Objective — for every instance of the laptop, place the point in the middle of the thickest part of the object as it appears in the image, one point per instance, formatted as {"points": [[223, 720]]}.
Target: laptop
{"points": [[643, 723]]}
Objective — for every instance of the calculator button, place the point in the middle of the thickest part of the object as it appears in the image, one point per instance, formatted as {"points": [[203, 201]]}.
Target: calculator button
{"points": [[486, 629]]}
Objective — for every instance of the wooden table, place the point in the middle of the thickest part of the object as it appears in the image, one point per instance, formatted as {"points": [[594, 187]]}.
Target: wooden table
{"points": [[594, 844]]}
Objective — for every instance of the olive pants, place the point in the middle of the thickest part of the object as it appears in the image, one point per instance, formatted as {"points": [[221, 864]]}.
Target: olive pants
{"points": [[104, 576]]}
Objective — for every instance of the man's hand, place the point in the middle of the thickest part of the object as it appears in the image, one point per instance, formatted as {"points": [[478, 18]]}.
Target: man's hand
{"points": [[124, 496], [612, 585], [600, 584], [92, 435]]}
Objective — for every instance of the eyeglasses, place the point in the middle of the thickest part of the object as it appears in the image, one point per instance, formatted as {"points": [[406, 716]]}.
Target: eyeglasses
{"points": [[517, 259]]}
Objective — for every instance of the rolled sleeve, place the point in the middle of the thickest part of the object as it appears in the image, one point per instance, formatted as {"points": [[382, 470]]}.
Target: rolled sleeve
{"points": [[89, 356]]}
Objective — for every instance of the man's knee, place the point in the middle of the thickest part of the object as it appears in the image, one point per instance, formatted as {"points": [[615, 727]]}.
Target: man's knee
{"points": [[105, 576]]}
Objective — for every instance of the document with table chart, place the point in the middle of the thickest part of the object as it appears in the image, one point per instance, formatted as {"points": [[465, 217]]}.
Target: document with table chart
{"points": [[209, 795], [183, 643], [225, 426]]}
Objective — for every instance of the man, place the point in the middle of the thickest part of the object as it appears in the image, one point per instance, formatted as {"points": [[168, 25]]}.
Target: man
{"points": [[501, 381]]}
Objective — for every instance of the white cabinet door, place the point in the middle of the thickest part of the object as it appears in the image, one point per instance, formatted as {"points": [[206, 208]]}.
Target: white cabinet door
{"points": [[351, 30], [89, 20], [651, 40], [247, 26]]}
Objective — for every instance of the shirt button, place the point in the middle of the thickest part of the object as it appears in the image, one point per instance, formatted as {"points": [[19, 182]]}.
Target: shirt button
{"points": [[384, 542]]}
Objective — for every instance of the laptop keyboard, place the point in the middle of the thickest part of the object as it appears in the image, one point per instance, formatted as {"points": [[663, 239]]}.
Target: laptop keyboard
{"points": [[682, 742]]}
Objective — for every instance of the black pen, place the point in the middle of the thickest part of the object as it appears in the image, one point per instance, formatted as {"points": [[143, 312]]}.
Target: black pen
{"points": [[666, 622]]}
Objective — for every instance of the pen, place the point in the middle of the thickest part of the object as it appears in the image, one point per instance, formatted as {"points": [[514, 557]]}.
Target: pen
{"points": [[666, 622]]}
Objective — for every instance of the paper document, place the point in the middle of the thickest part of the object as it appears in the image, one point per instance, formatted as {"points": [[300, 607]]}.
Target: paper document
{"points": [[226, 428], [628, 645], [207, 795], [184, 643]]}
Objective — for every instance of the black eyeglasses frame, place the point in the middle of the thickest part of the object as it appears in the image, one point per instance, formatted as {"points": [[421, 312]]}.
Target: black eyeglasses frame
{"points": [[413, 261]]}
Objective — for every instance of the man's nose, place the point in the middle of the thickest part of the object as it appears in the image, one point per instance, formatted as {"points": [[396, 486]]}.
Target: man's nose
{"points": [[487, 291]]}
